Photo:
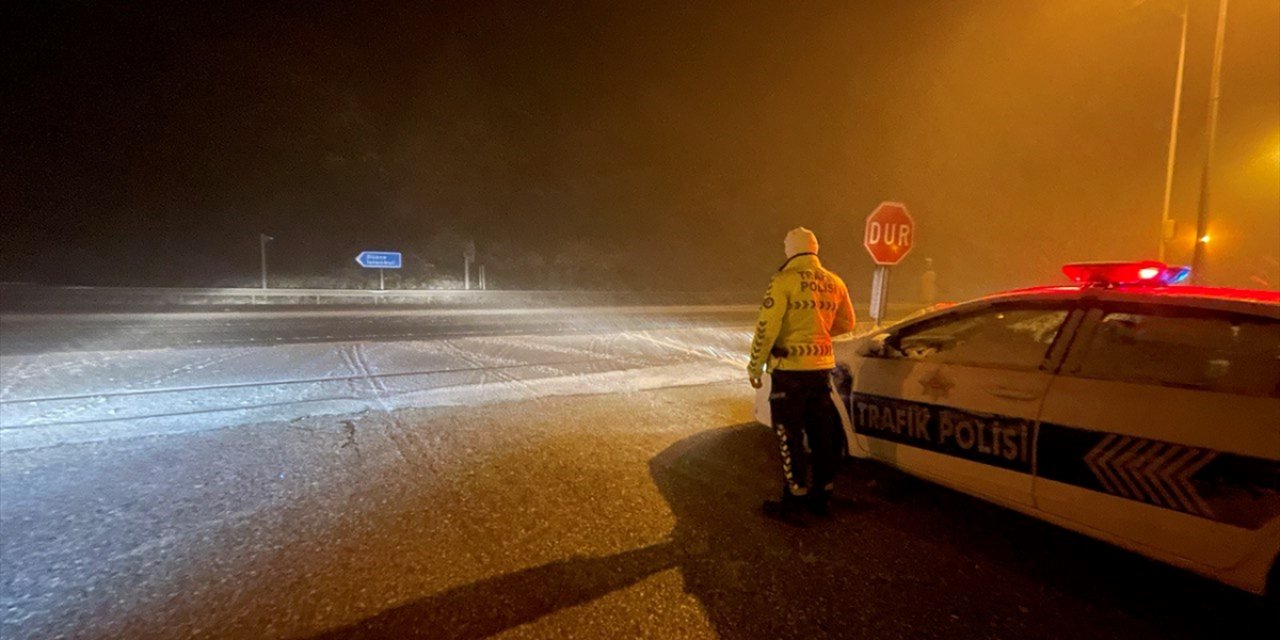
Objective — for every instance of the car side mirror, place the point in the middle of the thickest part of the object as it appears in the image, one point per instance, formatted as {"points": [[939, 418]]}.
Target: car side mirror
{"points": [[878, 346]]}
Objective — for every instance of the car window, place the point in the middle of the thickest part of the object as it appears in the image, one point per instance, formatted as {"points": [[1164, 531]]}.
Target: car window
{"points": [[1198, 350], [1016, 338]]}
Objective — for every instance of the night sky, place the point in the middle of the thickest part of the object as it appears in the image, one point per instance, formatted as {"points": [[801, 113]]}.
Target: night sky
{"points": [[623, 145]]}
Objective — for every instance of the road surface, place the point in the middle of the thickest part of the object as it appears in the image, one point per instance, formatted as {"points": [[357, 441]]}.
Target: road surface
{"points": [[26, 333], [558, 484]]}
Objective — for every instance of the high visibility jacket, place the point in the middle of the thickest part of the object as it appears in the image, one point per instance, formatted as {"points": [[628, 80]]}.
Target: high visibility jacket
{"points": [[804, 306]]}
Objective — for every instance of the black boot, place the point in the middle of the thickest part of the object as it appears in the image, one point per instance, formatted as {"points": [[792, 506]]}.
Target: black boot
{"points": [[819, 502], [790, 510]]}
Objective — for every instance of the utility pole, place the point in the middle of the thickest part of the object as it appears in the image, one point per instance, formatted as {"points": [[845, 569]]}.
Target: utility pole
{"points": [[468, 256], [1211, 132], [263, 239], [1166, 224]]}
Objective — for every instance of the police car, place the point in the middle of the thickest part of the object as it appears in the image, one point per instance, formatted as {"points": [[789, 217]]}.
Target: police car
{"points": [[1121, 407]]}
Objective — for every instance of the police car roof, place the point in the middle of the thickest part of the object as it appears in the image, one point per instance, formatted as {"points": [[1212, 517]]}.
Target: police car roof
{"points": [[1172, 294]]}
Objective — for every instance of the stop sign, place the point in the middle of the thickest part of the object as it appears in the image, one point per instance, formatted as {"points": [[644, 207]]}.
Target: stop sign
{"points": [[890, 233]]}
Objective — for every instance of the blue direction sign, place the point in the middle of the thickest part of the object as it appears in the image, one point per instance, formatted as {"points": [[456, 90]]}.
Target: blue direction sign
{"points": [[379, 259]]}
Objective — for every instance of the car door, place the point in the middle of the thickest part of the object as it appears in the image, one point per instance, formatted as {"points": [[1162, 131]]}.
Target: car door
{"points": [[1163, 429], [955, 397]]}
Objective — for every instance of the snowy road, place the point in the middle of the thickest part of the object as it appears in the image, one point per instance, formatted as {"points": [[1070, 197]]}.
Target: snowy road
{"points": [[67, 396], [34, 333], [579, 484]]}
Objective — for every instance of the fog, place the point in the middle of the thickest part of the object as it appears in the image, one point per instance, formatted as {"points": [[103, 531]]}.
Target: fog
{"points": [[651, 146]]}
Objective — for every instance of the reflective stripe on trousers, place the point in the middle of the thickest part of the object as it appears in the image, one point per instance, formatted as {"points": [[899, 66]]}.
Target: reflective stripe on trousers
{"points": [[804, 410]]}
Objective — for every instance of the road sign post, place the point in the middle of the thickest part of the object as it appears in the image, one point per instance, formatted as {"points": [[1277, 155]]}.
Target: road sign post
{"points": [[468, 256], [263, 239], [380, 260], [888, 236], [879, 292]]}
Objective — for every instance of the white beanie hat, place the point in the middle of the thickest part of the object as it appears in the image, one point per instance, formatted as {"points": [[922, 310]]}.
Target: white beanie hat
{"points": [[800, 240]]}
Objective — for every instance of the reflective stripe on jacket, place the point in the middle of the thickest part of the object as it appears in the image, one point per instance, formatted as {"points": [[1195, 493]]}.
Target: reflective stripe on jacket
{"points": [[804, 306]]}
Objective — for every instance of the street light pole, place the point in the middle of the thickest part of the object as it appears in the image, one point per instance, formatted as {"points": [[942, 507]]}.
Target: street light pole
{"points": [[1165, 222], [468, 258], [263, 239], [1211, 132]]}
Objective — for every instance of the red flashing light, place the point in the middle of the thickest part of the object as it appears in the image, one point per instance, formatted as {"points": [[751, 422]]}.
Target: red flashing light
{"points": [[1147, 272]]}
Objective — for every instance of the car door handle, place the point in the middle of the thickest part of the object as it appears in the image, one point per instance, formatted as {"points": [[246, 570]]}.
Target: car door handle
{"points": [[1013, 393]]}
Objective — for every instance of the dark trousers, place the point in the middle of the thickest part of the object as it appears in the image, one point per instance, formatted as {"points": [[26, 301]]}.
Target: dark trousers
{"points": [[802, 408]]}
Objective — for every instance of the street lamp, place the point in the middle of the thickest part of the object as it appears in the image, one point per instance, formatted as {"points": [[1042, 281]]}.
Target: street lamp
{"points": [[1211, 132], [468, 257], [1166, 224], [263, 239]]}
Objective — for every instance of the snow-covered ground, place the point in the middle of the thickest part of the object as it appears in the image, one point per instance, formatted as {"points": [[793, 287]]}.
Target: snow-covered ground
{"points": [[451, 488], [58, 398]]}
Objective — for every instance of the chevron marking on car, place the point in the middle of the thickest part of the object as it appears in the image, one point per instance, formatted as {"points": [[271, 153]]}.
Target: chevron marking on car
{"points": [[1149, 471], [1223, 486]]}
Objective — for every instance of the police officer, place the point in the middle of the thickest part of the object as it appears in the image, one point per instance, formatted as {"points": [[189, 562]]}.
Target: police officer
{"points": [[804, 306]]}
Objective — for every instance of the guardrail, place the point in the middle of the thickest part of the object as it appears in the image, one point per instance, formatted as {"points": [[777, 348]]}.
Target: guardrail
{"points": [[26, 298], [36, 297]]}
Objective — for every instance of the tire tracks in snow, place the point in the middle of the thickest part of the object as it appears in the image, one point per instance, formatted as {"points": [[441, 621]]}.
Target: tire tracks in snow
{"points": [[374, 390], [459, 370]]}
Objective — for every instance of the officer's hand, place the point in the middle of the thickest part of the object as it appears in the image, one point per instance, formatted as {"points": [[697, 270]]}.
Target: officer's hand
{"points": [[756, 382]]}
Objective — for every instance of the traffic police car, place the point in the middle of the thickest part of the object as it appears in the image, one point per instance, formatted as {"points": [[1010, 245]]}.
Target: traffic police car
{"points": [[1121, 407]]}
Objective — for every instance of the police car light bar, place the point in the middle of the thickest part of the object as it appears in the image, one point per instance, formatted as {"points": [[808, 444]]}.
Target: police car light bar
{"points": [[1107, 274]]}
